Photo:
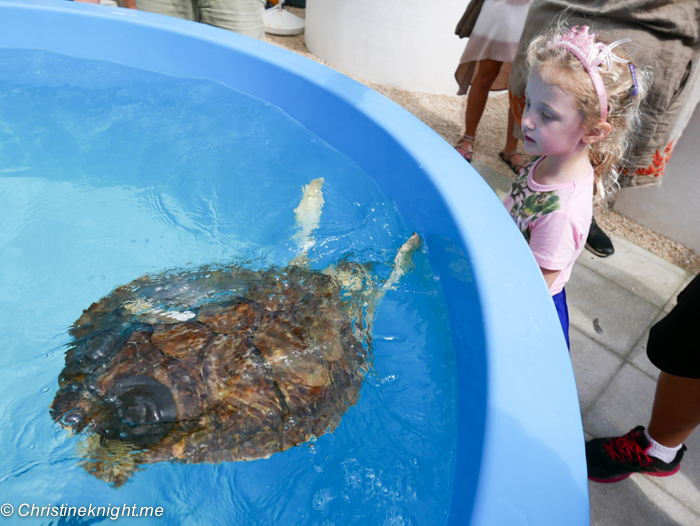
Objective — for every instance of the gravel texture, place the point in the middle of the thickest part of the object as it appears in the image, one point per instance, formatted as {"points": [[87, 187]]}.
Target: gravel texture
{"points": [[445, 115]]}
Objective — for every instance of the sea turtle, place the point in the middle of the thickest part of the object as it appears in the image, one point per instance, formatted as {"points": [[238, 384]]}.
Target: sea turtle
{"points": [[221, 363]]}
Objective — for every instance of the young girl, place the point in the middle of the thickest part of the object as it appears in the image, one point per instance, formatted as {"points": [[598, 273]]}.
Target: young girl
{"points": [[582, 102]]}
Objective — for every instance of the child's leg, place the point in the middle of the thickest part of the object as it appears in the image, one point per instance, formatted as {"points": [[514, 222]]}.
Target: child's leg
{"points": [[563, 312]]}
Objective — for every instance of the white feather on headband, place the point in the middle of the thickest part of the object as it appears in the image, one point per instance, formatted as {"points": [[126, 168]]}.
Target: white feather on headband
{"points": [[592, 55]]}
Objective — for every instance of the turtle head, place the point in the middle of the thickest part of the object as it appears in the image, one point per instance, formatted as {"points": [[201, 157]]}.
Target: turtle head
{"points": [[69, 406], [137, 409]]}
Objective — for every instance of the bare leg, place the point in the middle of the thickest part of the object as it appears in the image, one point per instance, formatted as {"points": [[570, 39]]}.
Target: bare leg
{"points": [[478, 94], [511, 140], [676, 411], [510, 152]]}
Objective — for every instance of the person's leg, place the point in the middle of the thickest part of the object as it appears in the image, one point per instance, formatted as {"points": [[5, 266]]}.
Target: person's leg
{"points": [[511, 140], [676, 411], [177, 8], [510, 152], [599, 242], [245, 17], [479, 93], [672, 347], [476, 102], [659, 449]]}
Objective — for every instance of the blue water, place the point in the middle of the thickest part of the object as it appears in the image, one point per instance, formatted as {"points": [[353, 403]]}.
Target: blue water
{"points": [[108, 173]]}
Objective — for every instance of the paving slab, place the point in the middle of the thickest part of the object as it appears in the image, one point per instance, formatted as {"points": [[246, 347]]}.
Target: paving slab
{"points": [[622, 315], [637, 502], [683, 485], [624, 404], [638, 270], [594, 367]]}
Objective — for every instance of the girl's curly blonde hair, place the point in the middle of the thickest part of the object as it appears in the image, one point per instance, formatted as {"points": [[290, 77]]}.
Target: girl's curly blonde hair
{"points": [[560, 67]]}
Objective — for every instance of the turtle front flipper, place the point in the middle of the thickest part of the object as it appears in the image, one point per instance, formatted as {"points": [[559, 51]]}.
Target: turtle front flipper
{"points": [[356, 278], [358, 283], [402, 262], [308, 217]]}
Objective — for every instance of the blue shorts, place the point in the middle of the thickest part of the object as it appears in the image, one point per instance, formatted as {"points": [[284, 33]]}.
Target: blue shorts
{"points": [[563, 312]]}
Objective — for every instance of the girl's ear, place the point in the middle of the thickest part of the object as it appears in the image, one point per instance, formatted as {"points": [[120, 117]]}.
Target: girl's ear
{"points": [[596, 134]]}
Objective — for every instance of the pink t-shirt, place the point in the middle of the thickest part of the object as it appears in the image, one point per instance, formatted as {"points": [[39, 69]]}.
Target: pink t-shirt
{"points": [[554, 219]]}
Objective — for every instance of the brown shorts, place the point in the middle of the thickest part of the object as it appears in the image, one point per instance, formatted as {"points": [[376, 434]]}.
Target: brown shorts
{"points": [[674, 345]]}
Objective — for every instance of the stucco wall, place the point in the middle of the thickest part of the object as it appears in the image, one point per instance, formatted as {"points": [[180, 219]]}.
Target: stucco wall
{"points": [[407, 44]]}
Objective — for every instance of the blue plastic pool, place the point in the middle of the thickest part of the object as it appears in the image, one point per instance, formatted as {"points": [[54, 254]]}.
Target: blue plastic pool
{"points": [[495, 435]]}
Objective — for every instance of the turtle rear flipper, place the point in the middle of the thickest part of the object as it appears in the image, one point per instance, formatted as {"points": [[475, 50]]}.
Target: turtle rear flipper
{"points": [[113, 461]]}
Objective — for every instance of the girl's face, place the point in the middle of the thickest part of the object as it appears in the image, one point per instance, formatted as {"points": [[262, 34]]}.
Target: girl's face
{"points": [[551, 123]]}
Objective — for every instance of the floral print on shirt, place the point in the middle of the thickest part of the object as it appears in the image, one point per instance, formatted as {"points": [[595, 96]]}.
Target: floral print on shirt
{"points": [[528, 206]]}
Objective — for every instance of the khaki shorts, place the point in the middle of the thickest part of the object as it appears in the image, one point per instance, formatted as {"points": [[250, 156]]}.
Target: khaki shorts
{"points": [[242, 16]]}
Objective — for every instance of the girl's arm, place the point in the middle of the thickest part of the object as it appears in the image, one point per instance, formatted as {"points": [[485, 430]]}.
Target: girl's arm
{"points": [[549, 275]]}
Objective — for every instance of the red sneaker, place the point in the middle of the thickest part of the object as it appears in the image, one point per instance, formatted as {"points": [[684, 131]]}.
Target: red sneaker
{"points": [[616, 458]]}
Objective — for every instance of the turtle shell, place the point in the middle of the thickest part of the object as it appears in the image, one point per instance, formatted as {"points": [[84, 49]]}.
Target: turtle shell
{"points": [[212, 365]]}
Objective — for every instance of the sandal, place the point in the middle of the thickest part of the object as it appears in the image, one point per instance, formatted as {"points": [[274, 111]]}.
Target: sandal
{"points": [[507, 158], [467, 154]]}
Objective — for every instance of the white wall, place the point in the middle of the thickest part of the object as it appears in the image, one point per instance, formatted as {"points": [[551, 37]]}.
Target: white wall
{"points": [[673, 209], [407, 44]]}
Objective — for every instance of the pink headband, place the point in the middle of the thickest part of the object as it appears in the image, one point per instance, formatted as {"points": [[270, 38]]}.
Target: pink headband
{"points": [[591, 54]]}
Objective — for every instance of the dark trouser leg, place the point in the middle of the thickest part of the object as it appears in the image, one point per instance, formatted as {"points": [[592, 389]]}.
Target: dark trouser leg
{"points": [[598, 241]]}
